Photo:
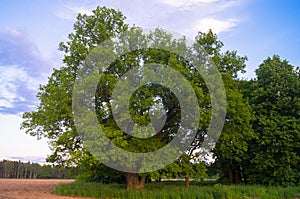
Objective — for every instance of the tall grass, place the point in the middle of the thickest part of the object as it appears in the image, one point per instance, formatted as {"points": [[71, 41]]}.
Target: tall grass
{"points": [[167, 190]]}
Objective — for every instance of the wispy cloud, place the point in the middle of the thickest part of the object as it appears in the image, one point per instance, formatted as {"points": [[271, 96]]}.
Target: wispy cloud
{"points": [[32, 159], [22, 69], [69, 10], [230, 3], [186, 3], [217, 25], [185, 16], [65, 15], [81, 10]]}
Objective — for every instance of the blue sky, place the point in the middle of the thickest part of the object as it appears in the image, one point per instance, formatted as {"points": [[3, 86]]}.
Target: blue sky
{"points": [[30, 31]]}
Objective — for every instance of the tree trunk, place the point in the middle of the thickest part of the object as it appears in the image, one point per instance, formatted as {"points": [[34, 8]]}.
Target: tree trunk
{"points": [[237, 175], [187, 182], [230, 174], [135, 182]]}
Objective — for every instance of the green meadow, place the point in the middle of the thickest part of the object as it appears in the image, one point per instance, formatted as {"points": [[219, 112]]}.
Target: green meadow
{"points": [[176, 190]]}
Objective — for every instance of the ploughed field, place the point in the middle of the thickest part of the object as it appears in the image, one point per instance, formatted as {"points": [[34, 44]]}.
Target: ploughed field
{"points": [[30, 188]]}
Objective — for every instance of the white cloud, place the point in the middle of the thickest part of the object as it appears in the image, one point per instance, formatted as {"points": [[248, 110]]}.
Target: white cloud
{"points": [[192, 16], [231, 3], [216, 5], [186, 3], [22, 69], [69, 10], [216, 25], [8, 90], [5, 103], [64, 15], [186, 16], [81, 10], [13, 32], [11, 79]]}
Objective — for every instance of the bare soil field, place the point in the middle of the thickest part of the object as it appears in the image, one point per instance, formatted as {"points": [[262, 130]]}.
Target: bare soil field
{"points": [[30, 188]]}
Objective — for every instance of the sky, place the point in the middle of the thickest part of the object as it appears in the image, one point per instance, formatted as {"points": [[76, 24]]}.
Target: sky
{"points": [[30, 31]]}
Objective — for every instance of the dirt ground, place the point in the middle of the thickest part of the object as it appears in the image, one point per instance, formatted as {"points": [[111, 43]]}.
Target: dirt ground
{"points": [[30, 189]]}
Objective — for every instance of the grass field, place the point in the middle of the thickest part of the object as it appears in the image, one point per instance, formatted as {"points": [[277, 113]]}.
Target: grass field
{"points": [[176, 190]]}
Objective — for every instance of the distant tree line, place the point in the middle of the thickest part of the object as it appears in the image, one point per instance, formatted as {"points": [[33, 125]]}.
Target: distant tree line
{"points": [[18, 169]]}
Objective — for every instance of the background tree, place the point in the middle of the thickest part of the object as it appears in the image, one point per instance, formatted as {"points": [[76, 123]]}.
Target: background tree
{"points": [[8, 167], [275, 98], [185, 168], [18, 169], [232, 145]]}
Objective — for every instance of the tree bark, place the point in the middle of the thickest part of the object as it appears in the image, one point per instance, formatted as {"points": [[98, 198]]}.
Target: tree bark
{"points": [[237, 175], [187, 182], [135, 182], [230, 173]]}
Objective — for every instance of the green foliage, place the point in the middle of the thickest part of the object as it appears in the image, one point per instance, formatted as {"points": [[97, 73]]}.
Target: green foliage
{"points": [[176, 190], [275, 97], [148, 95], [91, 170], [259, 143], [228, 62], [53, 118], [89, 32], [183, 167], [233, 142]]}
